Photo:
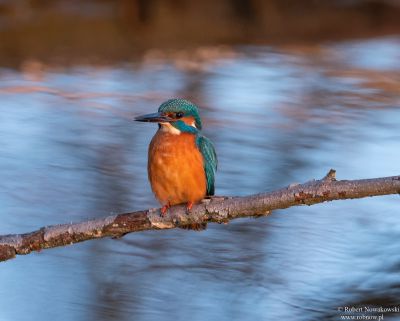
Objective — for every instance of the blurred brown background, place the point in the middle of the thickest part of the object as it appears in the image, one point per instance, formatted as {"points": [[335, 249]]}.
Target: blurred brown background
{"points": [[104, 31]]}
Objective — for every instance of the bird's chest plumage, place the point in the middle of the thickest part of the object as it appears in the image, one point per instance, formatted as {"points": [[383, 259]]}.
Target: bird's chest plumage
{"points": [[176, 168]]}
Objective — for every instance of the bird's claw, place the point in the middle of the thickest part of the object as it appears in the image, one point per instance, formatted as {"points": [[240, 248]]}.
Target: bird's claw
{"points": [[164, 210], [189, 208]]}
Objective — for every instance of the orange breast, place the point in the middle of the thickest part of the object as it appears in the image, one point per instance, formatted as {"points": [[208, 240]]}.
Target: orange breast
{"points": [[175, 168]]}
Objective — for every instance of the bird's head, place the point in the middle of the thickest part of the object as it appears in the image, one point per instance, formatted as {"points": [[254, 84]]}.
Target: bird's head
{"points": [[178, 114]]}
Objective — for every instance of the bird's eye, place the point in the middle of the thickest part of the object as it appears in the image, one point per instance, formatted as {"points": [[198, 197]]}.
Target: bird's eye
{"points": [[179, 115]]}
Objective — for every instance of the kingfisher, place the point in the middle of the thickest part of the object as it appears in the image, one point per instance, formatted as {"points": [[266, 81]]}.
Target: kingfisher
{"points": [[182, 163]]}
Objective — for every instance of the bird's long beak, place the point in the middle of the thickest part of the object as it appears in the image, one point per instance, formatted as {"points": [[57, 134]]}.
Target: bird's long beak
{"points": [[154, 118]]}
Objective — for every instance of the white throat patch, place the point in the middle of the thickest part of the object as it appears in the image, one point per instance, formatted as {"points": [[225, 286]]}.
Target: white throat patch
{"points": [[167, 127]]}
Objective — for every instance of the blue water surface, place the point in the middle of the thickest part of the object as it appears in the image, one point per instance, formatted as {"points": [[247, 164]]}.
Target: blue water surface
{"points": [[277, 115]]}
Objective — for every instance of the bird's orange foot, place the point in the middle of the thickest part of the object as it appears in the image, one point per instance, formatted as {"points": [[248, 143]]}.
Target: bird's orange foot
{"points": [[189, 207], [164, 209]]}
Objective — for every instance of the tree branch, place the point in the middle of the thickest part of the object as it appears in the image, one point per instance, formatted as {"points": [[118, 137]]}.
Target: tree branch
{"points": [[216, 209]]}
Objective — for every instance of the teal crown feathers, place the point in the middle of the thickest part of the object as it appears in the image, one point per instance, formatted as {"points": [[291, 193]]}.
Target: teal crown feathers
{"points": [[182, 105]]}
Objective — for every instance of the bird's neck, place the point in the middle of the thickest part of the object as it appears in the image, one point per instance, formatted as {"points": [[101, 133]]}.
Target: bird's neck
{"points": [[178, 127]]}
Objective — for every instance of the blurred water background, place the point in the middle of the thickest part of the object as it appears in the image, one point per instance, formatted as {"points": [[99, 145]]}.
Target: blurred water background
{"points": [[287, 91]]}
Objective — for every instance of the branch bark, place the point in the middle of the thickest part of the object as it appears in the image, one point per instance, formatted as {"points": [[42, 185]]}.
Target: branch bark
{"points": [[216, 209]]}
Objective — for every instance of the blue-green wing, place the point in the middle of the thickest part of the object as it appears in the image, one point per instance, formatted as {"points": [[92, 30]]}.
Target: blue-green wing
{"points": [[210, 161]]}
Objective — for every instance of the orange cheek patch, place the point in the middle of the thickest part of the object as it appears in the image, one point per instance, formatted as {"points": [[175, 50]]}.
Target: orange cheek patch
{"points": [[189, 120]]}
